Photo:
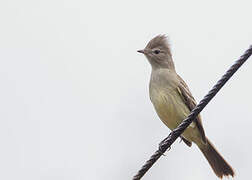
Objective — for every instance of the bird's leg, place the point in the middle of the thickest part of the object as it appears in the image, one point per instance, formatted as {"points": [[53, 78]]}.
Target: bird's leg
{"points": [[162, 145], [181, 139]]}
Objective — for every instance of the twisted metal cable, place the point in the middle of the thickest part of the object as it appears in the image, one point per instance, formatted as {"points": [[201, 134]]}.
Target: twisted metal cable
{"points": [[168, 141]]}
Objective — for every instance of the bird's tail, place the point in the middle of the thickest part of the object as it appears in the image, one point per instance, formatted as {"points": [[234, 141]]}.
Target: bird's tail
{"points": [[217, 162]]}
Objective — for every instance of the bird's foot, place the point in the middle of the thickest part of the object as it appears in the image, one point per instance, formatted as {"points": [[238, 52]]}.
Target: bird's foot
{"points": [[162, 146]]}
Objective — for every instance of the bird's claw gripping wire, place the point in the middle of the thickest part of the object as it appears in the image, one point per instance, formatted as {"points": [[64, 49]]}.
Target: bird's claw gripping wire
{"points": [[162, 146]]}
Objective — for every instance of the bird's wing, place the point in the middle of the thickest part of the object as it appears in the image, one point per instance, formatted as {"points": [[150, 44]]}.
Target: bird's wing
{"points": [[190, 102]]}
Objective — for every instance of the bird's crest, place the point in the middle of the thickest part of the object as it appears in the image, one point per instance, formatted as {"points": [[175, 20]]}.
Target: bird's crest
{"points": [[160, 41]]}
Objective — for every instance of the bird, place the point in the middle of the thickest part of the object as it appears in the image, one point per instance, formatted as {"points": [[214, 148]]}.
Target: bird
{"points": [[173, 102]]}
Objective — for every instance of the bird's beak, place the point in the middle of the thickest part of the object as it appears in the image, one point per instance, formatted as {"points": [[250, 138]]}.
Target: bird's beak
{"points": [[141, 51]]}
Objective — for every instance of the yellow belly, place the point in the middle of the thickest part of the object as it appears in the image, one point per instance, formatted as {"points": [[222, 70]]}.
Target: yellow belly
{"points": [[172, 111]]}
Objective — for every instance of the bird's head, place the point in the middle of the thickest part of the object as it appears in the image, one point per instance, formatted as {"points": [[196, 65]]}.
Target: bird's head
{"points": [[158, 52]]}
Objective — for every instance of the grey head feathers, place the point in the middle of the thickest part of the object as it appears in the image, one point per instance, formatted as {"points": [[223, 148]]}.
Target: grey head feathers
{"points": [[158, 53], [161, 42]]}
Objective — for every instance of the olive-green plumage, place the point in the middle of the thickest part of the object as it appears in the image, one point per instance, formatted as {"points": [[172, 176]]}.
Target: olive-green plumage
{"points": [[173, 102]]}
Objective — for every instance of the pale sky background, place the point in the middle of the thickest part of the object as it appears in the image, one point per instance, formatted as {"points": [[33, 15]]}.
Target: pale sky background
{"points": [[74, 100]]}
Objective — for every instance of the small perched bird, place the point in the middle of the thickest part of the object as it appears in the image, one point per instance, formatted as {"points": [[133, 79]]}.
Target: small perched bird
{"points": [[173, 102]]}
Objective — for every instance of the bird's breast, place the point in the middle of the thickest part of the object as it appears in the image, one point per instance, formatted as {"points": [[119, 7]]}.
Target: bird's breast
{"points": [[168, 106]]}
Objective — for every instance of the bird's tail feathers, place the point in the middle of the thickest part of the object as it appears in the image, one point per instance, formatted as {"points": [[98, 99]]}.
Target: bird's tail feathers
{"points": [[217, 162]]}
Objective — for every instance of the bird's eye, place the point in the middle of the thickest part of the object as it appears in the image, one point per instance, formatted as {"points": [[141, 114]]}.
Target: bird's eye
{"points": [[157, 51]]}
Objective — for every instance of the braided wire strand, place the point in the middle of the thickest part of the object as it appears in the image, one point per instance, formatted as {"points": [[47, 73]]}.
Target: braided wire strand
{"points": [[168, 141]]}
